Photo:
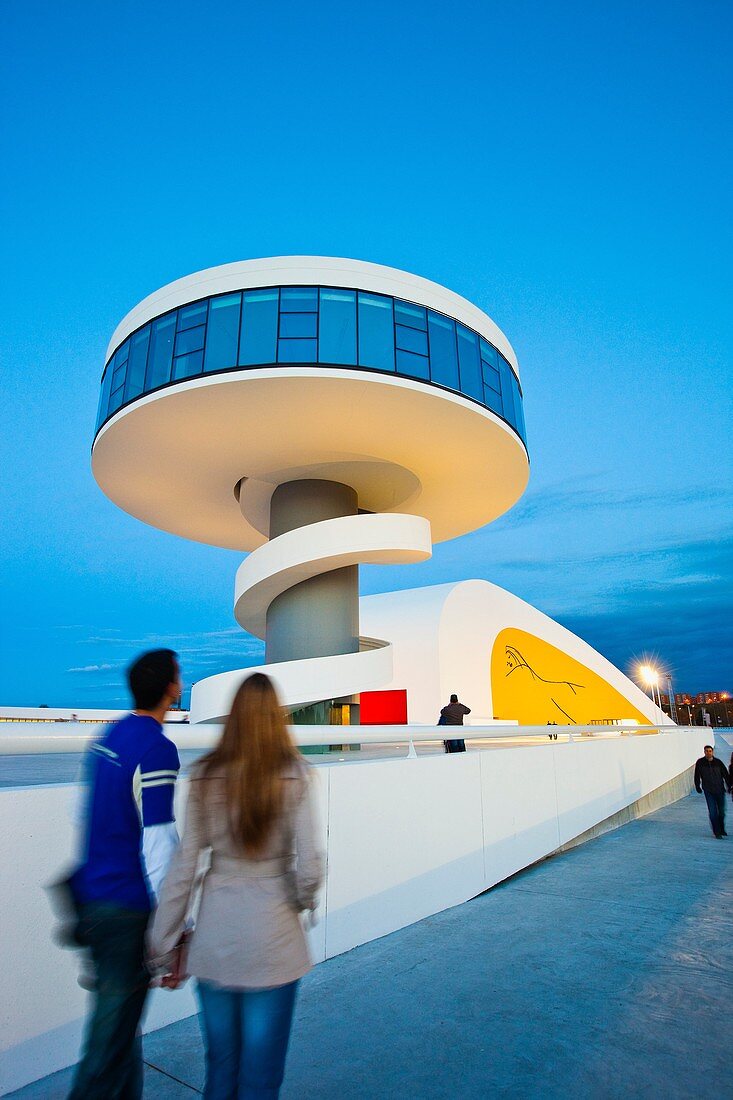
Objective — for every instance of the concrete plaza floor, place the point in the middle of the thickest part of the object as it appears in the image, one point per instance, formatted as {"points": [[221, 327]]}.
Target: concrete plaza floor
{"points": [[604, 972]]}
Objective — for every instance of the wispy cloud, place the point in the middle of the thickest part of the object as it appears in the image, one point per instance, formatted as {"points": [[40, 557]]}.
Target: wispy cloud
{"points": [[680, 604], [102, 682], [673, 596], [559, 501], [92, 668], [587, 502], [202, 653], [687, 559]]}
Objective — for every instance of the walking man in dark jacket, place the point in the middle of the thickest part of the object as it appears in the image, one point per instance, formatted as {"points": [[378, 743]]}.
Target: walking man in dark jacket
{"points": [[712, 780], [452, 715]]}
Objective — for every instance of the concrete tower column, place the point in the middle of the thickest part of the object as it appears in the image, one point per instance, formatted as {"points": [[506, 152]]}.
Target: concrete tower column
{"points": [[318, 617]]}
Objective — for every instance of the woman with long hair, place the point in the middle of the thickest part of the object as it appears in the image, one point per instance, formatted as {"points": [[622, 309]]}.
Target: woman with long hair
{"points": [[250, 805]]}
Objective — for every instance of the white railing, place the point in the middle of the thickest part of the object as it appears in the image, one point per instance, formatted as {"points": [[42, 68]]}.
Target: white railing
{"points": [[37, 738], [404, 838]]}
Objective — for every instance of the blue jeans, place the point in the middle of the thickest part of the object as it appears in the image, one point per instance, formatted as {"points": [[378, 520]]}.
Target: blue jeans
{"points": [[716, 811], [246, 1034]]}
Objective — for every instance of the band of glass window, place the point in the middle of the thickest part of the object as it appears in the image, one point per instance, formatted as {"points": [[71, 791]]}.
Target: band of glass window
{"points": [[310, 325]]}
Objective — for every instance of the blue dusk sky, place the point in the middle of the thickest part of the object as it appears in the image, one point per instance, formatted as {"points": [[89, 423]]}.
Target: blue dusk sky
{"points": [[565, 166]]}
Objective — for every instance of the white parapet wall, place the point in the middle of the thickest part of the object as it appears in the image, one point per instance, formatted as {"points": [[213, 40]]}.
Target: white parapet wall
{"points": [[405, 838]]}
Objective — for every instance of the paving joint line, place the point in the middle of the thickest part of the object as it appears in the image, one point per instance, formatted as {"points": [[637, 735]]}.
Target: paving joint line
{"points": [[172, 1077]]}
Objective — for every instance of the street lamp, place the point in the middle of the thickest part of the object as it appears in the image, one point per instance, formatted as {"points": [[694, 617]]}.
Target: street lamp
{"points": [[650, 676], [655, 684], [724, 699]]}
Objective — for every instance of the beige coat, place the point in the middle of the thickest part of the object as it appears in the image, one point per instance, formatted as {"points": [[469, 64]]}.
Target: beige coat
{"points": [[248, 932]]}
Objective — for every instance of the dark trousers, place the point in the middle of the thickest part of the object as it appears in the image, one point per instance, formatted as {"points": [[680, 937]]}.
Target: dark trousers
{"points": [[455, 746], [246, 1033], [716, 809], [111, 1067]]}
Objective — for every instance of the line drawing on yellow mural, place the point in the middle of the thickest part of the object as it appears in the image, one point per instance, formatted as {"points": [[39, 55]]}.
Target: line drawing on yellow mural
{"points": [[515, 660], [536, 683]]}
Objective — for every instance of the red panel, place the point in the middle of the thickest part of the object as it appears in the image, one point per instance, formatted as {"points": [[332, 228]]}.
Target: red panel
{"points": [[383, 708]]}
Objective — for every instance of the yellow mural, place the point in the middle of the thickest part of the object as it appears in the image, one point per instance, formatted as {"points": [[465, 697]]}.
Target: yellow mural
{"points": [[536, 684]]}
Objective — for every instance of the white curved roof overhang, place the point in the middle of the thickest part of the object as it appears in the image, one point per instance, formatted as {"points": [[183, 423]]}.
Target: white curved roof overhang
{"points": [[175, 458], [312, 271]]}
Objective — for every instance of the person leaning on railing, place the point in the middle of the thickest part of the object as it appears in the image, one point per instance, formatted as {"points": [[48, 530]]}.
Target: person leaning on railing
{"points": [[452, 715]]}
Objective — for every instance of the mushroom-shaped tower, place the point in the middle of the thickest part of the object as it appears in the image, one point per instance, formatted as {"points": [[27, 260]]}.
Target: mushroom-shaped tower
{"points": [[318, 413]]}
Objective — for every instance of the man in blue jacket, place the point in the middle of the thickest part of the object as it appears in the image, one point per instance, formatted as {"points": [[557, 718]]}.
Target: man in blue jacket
{"points": [[712, 780], [129, 837]]}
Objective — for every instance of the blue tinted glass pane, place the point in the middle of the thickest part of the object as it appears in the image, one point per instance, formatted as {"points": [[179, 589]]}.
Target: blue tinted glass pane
{"points": [[186, 366], [190, 316], [161, 352], [222, 333], [443, 359], [518, 410], [491, 378], [135, 380], [405, 313], [299, 299], [414, 365], [337, 327], [190, 340], [506, 390], [376, 331], [258, 337], [104, 393], [296, 351], [410, 339], [116, 399], [469, 363], [118, 375], [493, 400], [488, 353], [120, 365], [299, 324]]}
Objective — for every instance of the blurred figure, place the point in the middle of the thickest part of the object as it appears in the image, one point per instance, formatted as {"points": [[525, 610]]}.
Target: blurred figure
{"points": [[712, 780], [452, 715], [251, 804], [129, 836]]}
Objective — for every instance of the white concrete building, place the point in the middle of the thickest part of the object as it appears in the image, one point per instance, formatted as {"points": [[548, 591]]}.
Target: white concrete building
{"points": [[320, 413]]}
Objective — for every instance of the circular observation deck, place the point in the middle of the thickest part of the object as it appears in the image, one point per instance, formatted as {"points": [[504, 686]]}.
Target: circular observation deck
{"points": [[226, 384]]}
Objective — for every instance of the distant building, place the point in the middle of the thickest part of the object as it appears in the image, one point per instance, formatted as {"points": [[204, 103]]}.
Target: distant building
{"points": [[706, 708]]}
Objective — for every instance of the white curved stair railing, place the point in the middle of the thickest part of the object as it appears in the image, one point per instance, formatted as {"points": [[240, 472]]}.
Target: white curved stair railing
{"points": [[307, 552], [296, 556]]}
